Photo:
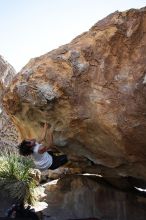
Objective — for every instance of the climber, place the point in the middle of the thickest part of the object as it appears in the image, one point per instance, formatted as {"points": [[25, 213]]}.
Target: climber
{"points": [[43, 156]]}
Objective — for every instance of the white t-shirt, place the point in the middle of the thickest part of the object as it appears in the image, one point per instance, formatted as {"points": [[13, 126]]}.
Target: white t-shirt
{"points": [[42, 161]]}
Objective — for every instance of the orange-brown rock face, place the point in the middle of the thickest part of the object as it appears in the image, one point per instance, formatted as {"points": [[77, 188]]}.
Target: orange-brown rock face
{"points": [[92, 91]]}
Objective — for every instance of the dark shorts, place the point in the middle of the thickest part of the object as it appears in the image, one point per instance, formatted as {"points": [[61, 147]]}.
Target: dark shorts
{"points": [[57, 160]]}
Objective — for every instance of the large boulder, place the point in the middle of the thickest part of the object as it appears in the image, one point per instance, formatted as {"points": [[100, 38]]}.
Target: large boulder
{"points": [[8, 131], [92, 92]]}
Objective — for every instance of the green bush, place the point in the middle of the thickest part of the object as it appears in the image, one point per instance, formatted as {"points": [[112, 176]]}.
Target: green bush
{"points": [[15, 177]]}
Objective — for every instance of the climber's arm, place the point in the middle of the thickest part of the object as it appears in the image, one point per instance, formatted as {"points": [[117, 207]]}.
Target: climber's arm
{"points": [[43, 149], [43, 133]]}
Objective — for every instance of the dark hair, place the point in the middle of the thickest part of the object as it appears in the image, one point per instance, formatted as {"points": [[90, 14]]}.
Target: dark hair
{"points": [[25, 149]]}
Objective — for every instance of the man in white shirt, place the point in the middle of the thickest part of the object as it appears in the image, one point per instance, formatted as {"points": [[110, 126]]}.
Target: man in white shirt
{"points": [[43, 158]]}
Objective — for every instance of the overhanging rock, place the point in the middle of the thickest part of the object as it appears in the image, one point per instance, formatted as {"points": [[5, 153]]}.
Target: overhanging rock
{"points": [[92, 91]]}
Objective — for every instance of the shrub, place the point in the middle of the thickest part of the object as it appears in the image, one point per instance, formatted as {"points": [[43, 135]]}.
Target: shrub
{"points": [[15, 177]]}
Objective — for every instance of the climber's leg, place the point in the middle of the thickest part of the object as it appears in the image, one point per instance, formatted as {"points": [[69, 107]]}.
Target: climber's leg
{"points": [[58, 161]]}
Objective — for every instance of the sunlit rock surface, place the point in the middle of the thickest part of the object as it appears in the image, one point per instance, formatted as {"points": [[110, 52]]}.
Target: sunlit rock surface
{"points": [[92, 92], [8, 131], [7, 72]]}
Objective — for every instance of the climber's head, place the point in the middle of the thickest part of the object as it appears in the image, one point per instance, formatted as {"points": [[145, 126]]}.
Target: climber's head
{"points": [[26, 147]]}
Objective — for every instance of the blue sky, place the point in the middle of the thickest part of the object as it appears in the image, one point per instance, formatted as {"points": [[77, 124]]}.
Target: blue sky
{"points": [[30, 28]]}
